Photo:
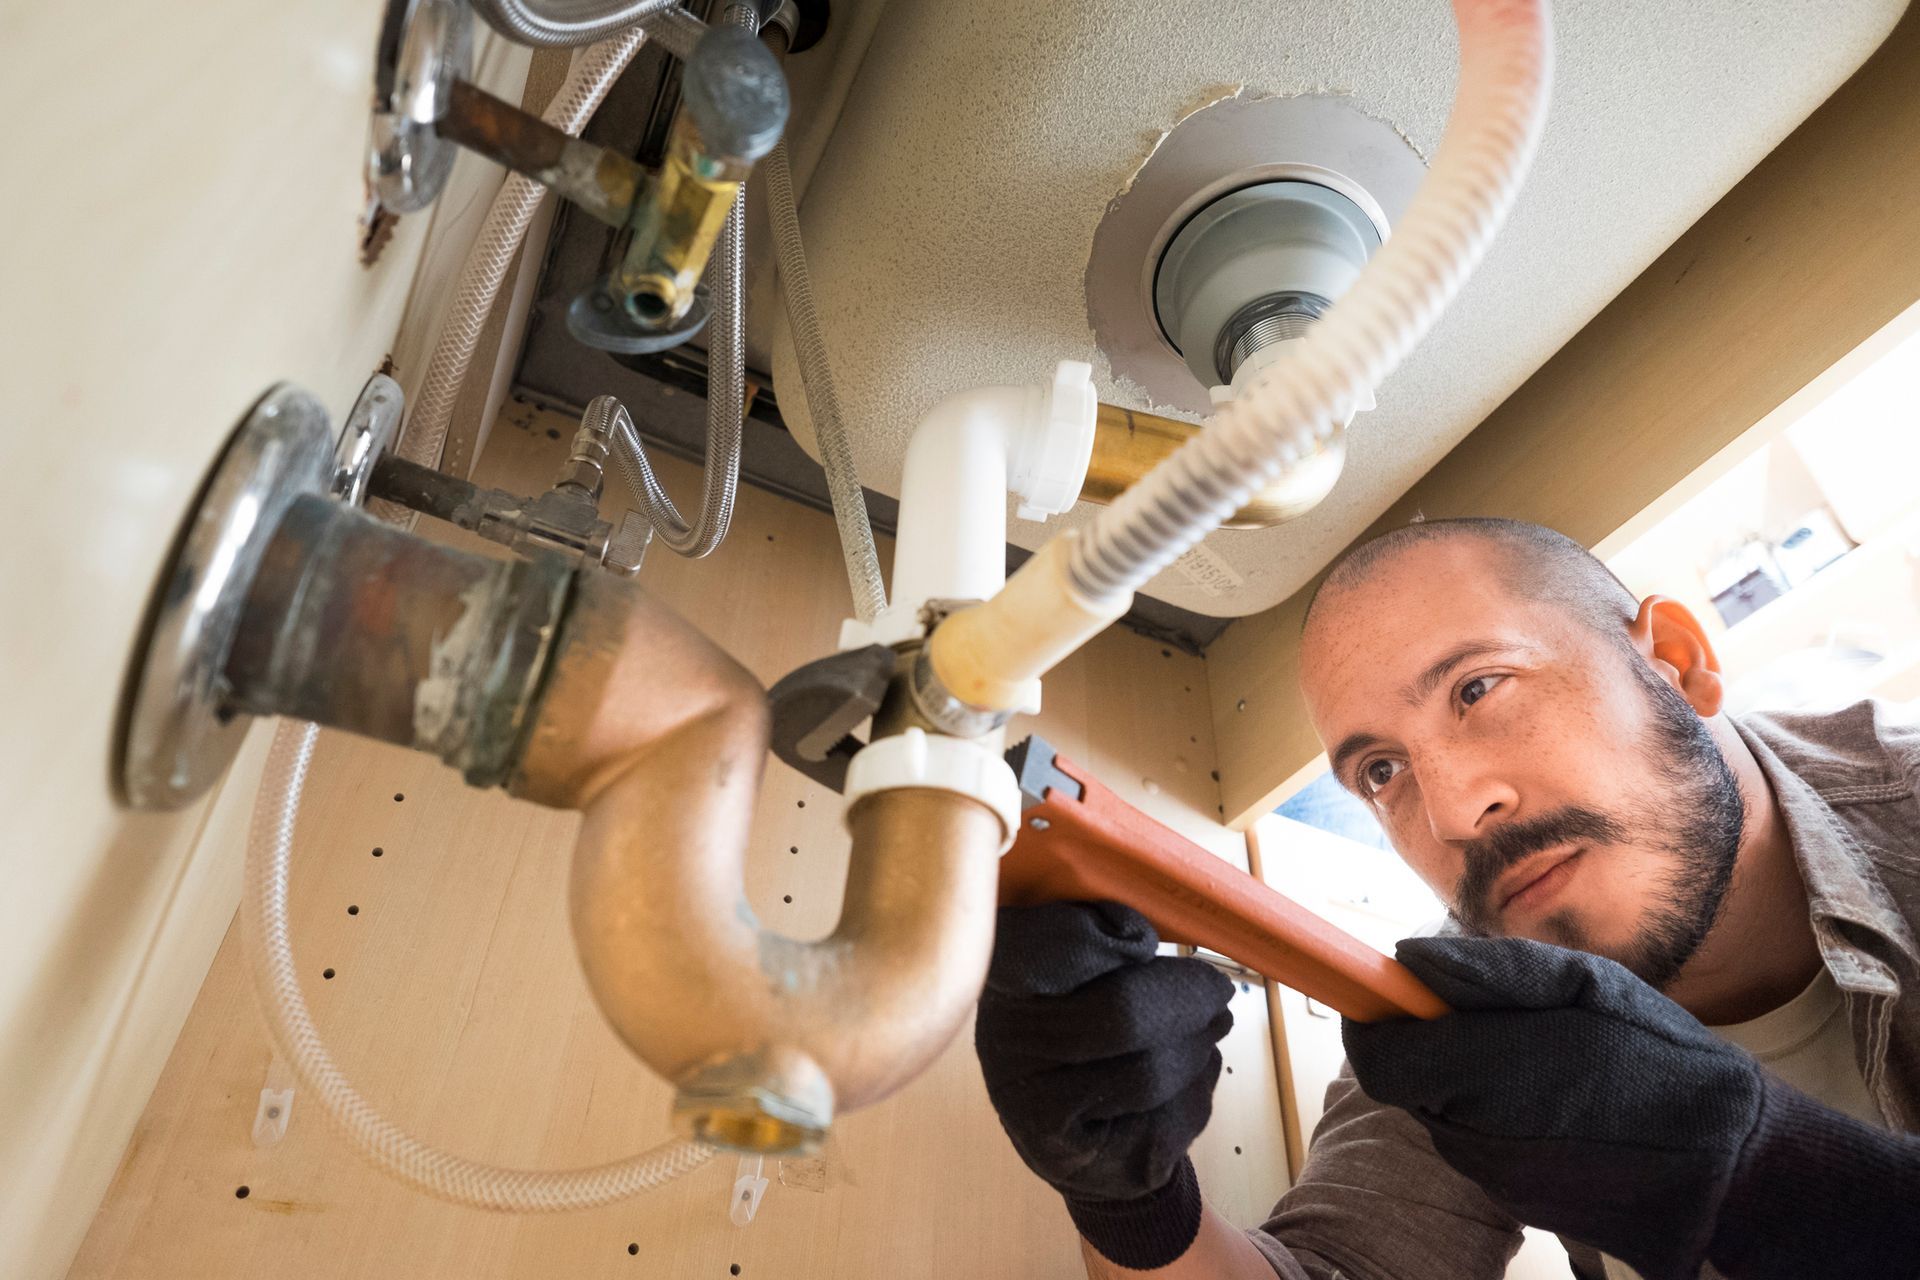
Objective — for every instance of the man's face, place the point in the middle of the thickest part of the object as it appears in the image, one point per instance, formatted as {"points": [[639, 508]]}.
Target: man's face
{"points": [[1544, 780]]}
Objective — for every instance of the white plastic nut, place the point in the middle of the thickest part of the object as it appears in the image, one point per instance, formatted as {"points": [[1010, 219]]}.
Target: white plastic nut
{"points": [[1055, 445], [917, 758]]}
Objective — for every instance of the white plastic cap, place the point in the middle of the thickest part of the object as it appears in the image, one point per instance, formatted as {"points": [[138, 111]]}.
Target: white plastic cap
{"points": [[919, 759], [1051, 453]]}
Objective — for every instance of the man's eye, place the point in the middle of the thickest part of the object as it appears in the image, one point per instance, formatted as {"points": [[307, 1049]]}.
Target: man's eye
{"points": [[1477, 688], [1376, 774]]}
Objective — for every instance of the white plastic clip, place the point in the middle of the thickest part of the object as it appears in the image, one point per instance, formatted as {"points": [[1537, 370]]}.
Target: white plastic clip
{"points": [[276, 1105], [270, 1121], [748, 1188]]}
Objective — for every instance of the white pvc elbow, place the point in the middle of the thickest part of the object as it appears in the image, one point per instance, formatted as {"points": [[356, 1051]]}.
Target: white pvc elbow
{"points": [[966, 455]]}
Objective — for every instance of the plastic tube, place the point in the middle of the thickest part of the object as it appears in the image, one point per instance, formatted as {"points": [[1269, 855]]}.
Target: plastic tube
{"points": [[1298, 405], [565, 23], [267, 936], [592, 74], [823, 399]]}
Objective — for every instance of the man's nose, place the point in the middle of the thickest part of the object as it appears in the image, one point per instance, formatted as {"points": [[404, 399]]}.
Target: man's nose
{"points": [[1466, 799]]}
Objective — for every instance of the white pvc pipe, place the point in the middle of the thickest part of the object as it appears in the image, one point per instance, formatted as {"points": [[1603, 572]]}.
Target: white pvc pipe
{"points": [[951, 543], [965, 456]]}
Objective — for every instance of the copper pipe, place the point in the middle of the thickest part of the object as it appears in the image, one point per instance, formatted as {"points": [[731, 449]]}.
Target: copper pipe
{"points": [[658, 737], [604, 183], [1128, 443], [357, 625]]}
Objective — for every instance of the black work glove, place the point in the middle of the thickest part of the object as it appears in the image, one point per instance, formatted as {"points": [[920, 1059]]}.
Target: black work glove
{"points": [[1585, 1102], [1100, 1058]]}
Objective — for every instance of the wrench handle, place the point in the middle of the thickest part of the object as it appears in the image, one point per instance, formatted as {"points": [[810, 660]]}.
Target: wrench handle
{"points": [[1100, 848]]}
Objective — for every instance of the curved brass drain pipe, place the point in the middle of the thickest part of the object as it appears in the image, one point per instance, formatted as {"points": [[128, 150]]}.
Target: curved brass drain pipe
{"points": [[577, 690], [659, 739]]}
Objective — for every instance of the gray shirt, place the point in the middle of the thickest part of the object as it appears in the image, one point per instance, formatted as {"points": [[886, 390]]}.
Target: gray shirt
{"points": [[1376, 1202]]}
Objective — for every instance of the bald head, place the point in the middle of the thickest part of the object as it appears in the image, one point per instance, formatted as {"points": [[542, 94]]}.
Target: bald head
{"points": [[1531, 561]]}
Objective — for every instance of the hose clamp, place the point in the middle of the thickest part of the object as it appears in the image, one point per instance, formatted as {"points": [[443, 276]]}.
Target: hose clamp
{"points": [[945, 711]]}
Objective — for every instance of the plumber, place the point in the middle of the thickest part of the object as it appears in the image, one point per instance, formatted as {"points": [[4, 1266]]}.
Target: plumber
{"points": [[1681, 952]]}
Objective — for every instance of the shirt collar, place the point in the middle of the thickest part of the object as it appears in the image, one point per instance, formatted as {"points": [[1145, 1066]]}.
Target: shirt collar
{"points": [[1840, 879]]}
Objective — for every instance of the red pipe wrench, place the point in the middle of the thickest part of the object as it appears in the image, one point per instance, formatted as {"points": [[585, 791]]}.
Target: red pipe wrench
{"points": [[1078, 841]]}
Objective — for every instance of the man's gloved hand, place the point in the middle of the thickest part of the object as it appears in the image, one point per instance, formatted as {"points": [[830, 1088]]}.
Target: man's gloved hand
{"points": [[1100, 1058], [1579, 1098]]}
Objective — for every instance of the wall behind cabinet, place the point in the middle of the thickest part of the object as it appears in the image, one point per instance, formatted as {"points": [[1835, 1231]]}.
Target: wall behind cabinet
{"points": [[180, 232]]}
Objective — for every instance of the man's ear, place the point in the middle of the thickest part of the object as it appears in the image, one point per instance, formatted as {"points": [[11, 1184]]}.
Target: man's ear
{"points": [[1672, 639]]}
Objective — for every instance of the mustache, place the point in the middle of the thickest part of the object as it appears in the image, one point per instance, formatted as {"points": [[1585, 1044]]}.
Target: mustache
{"points": [[1511, 843]]}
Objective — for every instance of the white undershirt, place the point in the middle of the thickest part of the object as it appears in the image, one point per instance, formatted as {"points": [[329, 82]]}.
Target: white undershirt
{"points": [[1808, 1043]]}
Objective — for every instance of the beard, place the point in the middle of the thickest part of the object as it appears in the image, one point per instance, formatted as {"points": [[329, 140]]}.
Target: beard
{"points": [[1698, 818]]}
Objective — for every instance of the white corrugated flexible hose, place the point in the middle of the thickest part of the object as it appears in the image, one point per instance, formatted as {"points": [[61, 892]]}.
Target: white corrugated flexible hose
{"points": [[1301, 402]]}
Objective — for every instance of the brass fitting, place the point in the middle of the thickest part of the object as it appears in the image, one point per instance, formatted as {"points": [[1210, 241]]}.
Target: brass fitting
{"points": [[1128, 443], [676, 229], [733, 112], [734, 108]]}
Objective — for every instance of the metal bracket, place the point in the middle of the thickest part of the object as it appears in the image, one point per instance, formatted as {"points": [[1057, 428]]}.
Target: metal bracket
{"points": [[817, 708], [1032, 762], [425, 46], [371, 429], [176, 741], [178, 735]]}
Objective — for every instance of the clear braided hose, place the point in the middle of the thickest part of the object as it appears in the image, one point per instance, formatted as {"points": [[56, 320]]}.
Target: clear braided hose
{"points": [[592, 74], [551, 24], [823, 399], [726, 395], [1298, 404], [267, 936]]}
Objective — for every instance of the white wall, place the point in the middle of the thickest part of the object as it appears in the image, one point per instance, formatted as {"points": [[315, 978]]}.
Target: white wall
{"points": [[184, 183]]}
